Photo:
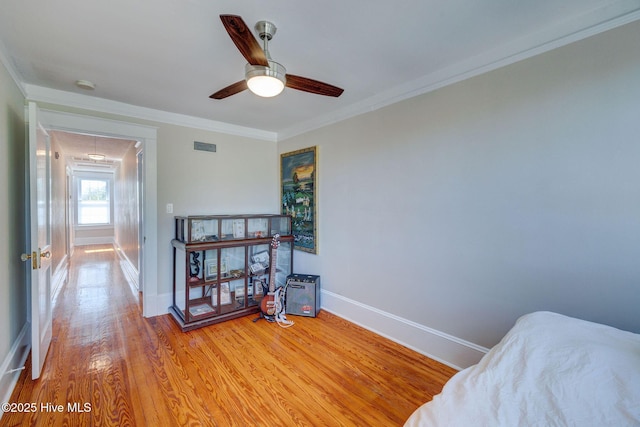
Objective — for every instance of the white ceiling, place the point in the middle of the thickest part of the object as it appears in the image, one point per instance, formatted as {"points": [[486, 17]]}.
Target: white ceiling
{"points": [[170, 55], [77, 148]]}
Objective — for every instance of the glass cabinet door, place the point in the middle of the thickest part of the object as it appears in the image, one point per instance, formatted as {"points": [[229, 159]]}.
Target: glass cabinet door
{"points": [[283, 262], [196, 273], [280, 225], [232, 279], [201, 229], [232, 262], [180, 281], [210, 263], [233, 228], [198, 292], [255, 290], [258, 259], [257, 228], [210, 230], [200, 303]]}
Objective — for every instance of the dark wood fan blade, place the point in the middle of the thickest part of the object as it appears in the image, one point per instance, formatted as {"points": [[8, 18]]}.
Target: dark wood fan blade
{"points": [[309, 85], [237, 87], [244, 40]]}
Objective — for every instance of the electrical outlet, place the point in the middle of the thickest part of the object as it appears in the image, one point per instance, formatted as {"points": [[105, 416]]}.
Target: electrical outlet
{"points": [[169, 207]]}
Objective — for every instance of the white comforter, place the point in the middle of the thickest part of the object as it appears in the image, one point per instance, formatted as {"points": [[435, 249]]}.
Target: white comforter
{"points": [[549, 370]]}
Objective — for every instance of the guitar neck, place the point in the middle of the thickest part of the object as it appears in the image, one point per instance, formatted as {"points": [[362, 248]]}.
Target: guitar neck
{"points": [[272, 270]]}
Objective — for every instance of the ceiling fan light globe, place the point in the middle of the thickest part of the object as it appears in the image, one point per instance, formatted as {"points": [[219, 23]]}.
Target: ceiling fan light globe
{"points": [[265, 86], [266, 81]]}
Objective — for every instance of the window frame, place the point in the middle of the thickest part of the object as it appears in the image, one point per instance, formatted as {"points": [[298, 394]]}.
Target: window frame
{"points": [[93, 176]]}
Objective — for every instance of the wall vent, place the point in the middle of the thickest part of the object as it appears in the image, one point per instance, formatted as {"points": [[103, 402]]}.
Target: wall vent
{"points": [[203, 146]]}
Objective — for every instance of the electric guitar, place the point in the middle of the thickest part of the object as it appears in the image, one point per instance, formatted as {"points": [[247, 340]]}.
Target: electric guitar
{"points": [[268, 302]]}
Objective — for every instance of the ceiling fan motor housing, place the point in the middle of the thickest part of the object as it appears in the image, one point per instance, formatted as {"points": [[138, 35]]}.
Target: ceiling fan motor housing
{"points": [[273, 70], [265, 29]]}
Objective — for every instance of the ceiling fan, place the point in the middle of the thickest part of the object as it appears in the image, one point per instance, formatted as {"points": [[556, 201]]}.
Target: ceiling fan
{"points": [[263, 76]]}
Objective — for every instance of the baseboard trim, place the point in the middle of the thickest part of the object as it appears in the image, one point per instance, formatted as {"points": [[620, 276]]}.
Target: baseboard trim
{"points": [[128, 269], [60, 277], [14, 363], [437, 345], [164, 302], [161, 304], [88, 241]]}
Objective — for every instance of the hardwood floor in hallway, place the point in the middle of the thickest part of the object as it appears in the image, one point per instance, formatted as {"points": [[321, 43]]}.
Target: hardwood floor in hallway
{"points": [[109, 366]]}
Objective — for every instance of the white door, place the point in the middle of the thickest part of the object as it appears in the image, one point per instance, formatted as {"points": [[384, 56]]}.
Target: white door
{"points": [[39, 187]]}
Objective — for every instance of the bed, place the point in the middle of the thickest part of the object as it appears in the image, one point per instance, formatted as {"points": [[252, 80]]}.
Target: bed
{"points": [[548, 370]]}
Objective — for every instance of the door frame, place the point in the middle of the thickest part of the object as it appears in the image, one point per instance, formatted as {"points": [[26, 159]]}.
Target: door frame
{"points": [[147, 135]]}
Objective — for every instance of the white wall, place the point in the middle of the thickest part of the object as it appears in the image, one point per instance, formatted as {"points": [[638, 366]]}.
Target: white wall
{"points": [[514, 191], [240, 177]]}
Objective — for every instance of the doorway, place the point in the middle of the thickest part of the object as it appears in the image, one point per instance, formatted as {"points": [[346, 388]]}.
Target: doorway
{"points": [[101, 193], [146, 136]]}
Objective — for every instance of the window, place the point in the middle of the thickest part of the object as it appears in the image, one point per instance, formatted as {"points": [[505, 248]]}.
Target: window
{"points": [[94, 206]]}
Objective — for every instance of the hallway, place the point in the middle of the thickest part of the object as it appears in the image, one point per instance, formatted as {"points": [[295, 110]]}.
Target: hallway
{"points": [[96, 275]]}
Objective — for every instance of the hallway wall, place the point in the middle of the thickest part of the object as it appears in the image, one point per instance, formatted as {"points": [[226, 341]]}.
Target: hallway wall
{"points": [[58, 206], [126, 207]]}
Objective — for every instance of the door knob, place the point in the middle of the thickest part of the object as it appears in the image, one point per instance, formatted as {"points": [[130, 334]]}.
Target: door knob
{"points": [[33, 257], [45, 254]]}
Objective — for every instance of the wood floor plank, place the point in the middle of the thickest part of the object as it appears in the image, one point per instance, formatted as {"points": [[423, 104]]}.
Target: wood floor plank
{"points": [[133, 371]]}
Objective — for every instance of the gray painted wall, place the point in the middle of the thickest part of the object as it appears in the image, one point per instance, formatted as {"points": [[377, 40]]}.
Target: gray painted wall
{"points": [[514, 191]]}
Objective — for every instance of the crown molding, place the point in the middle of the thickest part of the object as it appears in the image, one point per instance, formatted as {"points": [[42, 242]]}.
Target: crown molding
{"points": [[92, 103], [544, 40]]}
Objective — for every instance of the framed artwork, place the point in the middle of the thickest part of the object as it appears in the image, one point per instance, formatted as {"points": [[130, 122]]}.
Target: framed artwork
{"points": [[298, 186], [211, 268]]}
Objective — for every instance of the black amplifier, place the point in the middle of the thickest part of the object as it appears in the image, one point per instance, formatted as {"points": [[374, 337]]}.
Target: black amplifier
{"points": [[303, 295]]}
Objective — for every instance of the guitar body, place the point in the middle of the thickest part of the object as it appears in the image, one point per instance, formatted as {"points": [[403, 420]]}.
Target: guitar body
{"points": [[268, 302], [268, 305]]}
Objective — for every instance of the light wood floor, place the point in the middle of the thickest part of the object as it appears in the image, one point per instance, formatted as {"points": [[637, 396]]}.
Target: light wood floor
{"points": [[129, 370]]}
